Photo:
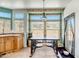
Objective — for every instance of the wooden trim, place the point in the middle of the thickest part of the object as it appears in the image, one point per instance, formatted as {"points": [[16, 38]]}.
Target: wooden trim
{"points": [[45, 13], [46, 9], [41, 9]]}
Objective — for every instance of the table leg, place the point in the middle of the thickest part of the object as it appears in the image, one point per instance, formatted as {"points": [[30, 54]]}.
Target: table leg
{"points": [[57, 47], [31, 49]]}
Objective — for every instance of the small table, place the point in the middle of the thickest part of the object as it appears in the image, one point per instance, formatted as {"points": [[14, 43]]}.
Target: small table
{"points": [[44, 39]]}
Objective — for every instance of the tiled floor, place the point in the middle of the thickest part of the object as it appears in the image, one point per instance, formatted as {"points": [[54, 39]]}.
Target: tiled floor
{"points": [[24, 53], [44, 52]]}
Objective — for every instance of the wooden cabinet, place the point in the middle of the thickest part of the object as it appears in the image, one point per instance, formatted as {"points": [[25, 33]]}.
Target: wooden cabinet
{"points": [[21, 41], [10, 43], [2, 48], [15, 43]]}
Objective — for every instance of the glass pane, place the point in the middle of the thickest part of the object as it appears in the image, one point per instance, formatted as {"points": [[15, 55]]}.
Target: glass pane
{"points": [[5, 14], [36, 17], [69, 35], [72, 23], [37, 25], [53, 25], [53, 29], [18, 26], [7, 26], [37, 33], [53, 17], [49, 17], [55, 34], [37, 29], [19, 15]]}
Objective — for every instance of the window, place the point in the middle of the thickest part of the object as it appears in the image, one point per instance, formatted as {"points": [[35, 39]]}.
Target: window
{"points": [[19, 22], [37, 25], [19, 26], [49, 17], [7, 26], [36, 17], [52, 27], [53, 17], [5, 15], [5, 20], [37, 28], [19, 16]]}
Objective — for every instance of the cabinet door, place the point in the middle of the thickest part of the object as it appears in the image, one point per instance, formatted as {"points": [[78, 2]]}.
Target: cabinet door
{"points": [[21, 42], [9, 43], [15, 42], [2, 49]]}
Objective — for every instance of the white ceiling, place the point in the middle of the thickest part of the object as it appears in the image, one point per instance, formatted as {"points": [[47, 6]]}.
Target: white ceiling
{"points": [[15, 4]]}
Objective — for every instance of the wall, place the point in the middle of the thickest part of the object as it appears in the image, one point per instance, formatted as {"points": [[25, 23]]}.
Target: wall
{"points": [[73, 6], [33, 3]]}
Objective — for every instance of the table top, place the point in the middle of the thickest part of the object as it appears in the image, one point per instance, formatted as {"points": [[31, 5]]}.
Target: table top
{"points": [[38, 38]]}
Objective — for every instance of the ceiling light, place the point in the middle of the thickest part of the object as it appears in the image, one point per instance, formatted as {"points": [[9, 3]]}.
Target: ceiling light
{"points": [[44, 15]]}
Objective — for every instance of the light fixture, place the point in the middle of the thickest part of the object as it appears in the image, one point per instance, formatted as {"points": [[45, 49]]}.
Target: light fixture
{"points": [[44, 16]]}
